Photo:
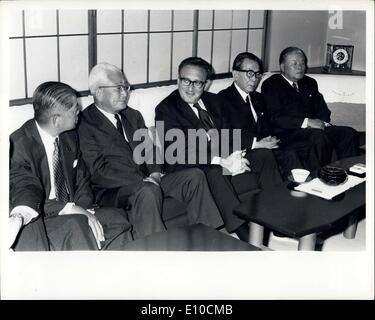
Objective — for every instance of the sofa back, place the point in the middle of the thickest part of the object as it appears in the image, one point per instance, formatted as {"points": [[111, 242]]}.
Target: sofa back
{"points": [[344, 94]]}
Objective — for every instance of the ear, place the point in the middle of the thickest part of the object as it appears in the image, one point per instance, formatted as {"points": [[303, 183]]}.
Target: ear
{"points": [[99, 93], [56, 121], [282, 68], [235, 74]]}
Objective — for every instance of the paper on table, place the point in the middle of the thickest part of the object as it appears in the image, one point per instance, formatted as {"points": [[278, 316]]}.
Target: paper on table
{"points": [[318, 188]]}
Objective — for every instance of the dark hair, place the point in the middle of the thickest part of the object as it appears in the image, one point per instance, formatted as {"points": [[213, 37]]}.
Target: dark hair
{"points": [[237, 63], [289, 50], [197, 62], [50, 97]]}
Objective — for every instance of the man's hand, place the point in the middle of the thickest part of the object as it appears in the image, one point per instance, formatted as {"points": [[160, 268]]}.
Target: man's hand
{"points": [[267, 143], [235, 163], [316, 124], [15, 224], [154, 178], [93, 221]]}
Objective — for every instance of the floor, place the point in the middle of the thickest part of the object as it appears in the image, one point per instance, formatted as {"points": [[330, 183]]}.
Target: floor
{"points": [[328, 242]]}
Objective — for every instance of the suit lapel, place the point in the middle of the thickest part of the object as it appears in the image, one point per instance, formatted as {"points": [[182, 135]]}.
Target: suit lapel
{"points": [[188, 114], [40, 157], [67, 158]]}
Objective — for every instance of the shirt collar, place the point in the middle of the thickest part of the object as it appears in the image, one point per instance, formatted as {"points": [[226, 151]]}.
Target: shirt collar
{"points": [[290, 82], [200, 102], [47, 139], [109, 116], [241, 92]]}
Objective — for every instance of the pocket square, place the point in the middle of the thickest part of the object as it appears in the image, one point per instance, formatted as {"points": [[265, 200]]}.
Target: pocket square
{"points": [[75, 163]]}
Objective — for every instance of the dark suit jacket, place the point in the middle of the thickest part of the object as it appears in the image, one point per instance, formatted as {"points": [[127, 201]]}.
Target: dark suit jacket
{"points": [[242, 117], [107, 155], [30, 183], [288, 108], [177, 114]]}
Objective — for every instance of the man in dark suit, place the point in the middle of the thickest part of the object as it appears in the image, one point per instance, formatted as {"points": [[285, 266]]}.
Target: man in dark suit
{"points": [[50, 197], [300, 115], [107, 132], [191, 108], [248, 111]]}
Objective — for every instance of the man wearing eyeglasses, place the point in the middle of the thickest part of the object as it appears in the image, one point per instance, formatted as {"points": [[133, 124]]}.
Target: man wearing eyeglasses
{"points": [[248, 113], [189, 108], [300, 115], [106, 132]]}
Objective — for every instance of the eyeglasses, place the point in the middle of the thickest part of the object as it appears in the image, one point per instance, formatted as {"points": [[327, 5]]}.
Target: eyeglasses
{"points": [[196, 84], [252, 73], [119, 87]]}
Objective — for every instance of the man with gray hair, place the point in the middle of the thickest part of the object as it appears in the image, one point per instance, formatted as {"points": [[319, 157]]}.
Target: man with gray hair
{"points": [[106, 132], [50, 196]]}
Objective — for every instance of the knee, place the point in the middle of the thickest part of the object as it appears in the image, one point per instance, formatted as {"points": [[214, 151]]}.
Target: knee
{"points": [[317, 137], [195, 175], [149, 190], [75, 221]]}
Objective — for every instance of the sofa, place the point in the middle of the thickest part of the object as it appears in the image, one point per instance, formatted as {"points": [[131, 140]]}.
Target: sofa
{"points": [[344, 94]]}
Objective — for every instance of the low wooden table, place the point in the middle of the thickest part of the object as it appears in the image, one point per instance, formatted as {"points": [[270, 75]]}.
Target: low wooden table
{"points": [[302, 217], [195, 237]]}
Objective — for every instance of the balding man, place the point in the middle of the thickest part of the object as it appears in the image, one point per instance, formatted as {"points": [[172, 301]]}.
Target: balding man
{"points": [[300, 115]]}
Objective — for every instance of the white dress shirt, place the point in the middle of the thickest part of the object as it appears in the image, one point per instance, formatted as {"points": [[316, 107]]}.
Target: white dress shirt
{"points": [[112, 119], [244, 95]]}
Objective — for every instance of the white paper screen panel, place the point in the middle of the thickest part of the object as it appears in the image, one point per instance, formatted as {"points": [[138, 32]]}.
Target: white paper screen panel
{"points": [[256, 18], [238, 43], [108, 21], [160, 20], [223, 19], [256, 42], [204, 45], [135, 20], [40, 22], [73, 21], [182, 48], [109, 49], [205, 19], [160, 51], [16, 70], [14, 20], [240, 18], [135, 57], [41, 61], [74, 63], [183, 20], [220, 58]]}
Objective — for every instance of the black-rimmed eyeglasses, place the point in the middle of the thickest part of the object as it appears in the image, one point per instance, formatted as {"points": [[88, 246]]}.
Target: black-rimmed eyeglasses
{"points": [[196, 84], [119, 87], [251, 73]]}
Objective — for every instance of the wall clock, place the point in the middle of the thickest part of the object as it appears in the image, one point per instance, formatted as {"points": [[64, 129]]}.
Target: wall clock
{"points": [[339, 58]]}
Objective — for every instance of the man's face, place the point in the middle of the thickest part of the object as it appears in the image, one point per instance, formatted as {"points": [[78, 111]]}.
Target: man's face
{"points": [[68, 119], [294, 66], [243, 80], [191, 83], [113, 95]]}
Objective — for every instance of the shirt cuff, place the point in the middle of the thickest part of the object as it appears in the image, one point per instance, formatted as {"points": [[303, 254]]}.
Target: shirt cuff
{"points": [[254, 142], [304, 123], [26, 212], [67, 209], [215, 160]]}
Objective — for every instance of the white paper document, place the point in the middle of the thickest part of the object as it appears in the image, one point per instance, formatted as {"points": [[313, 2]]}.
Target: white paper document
{"points": [[318, 188]]}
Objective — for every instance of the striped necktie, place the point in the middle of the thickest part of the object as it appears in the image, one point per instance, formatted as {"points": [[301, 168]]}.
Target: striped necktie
{"points": [[295, 87], [204, 117], [61, 191]]}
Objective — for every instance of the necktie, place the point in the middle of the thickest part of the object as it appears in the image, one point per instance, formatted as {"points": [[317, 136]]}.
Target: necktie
{"points": [[119, 125], [248, 101], [58, 174], [204, 117], [295, 87]]}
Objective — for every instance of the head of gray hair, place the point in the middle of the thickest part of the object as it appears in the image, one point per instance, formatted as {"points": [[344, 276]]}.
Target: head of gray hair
{"points": [[100, 75]]}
